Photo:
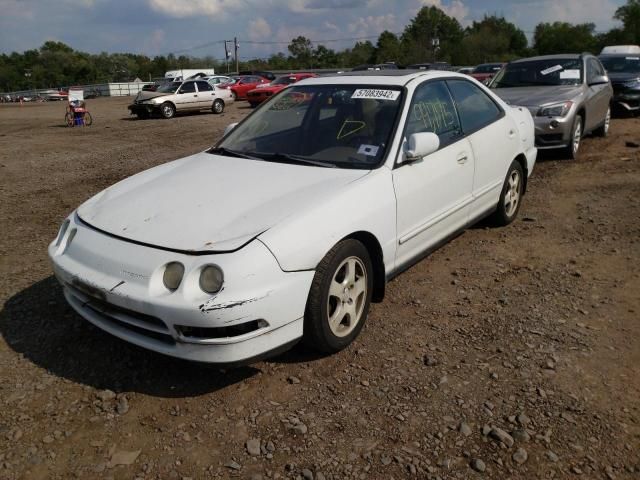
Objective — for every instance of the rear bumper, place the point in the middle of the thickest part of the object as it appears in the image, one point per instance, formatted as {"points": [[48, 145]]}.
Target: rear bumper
{"points": [[117, 286]]}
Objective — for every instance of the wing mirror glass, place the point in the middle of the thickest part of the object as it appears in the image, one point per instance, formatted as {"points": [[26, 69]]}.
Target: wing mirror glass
{"points": [[599, 80], [419, 145], [230, 127]]}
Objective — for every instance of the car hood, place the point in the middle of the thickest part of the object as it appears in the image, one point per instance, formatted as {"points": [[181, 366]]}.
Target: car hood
{"points": [[149, 95], [623, 77], [210, 202], [538, 96], [270, 88]]}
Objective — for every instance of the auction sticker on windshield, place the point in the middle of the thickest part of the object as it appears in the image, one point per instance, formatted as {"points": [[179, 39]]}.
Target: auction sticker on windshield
{"points": [[549, 70], [570, 74], [373, 94]]}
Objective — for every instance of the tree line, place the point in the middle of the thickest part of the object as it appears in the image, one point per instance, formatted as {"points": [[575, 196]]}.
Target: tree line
{"points": [[431, 35]]}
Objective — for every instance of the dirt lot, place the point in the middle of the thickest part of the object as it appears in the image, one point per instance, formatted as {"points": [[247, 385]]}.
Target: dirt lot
{"points": [[528, 334]]}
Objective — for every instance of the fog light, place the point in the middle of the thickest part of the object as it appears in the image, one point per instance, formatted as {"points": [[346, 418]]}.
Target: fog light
{"points": [[554, 124], [63, 230], [173, 274], [211, 279]]}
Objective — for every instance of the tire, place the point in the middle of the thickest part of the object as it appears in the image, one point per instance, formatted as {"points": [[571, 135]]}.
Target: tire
{"points": [[577, 131], [511, 196], [68, 119], [167, 110], [339, 297], [218, 106], [87, 119], [603, 130], [234, 95]]}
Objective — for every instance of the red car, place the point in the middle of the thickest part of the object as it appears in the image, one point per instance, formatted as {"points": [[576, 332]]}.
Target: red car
{"points": [[262, 93], [240, 88], [486, 71]]}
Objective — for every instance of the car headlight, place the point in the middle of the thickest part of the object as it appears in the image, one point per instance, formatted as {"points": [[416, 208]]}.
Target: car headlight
{"points": [[635, 83], [211, 279], [172, 276], [557, 110]]}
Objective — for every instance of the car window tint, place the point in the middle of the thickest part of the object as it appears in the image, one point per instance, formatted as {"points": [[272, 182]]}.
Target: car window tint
{"points": [[188, 87], [432, 110], [475, 107], [204, 87]]}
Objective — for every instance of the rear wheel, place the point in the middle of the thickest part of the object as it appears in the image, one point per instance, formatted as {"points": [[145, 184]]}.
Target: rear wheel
{"points": [[167, 110], [218, 106], [576, 138], [339, 298], [603, 130], [88, 119], [511, 196], [68, 119]]}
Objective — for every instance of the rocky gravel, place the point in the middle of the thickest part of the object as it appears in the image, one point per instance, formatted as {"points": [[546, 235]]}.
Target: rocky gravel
{"points": [[508, 353]]}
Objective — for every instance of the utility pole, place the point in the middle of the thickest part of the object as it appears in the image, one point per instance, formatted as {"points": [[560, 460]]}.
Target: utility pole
{"points": [[235, 46]]}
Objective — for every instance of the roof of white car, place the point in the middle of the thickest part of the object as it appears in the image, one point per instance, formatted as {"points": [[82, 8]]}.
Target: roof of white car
{"points": [[381, 77]]}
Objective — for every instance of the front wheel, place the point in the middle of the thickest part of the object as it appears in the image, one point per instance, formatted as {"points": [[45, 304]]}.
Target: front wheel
{"points": [[511, 196], [339, 298], [167, 110], [87, 119], [218, 106], [68, 119]]}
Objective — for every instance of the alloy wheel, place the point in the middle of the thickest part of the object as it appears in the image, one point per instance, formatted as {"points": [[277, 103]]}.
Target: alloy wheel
{"points": [[347, 296]]}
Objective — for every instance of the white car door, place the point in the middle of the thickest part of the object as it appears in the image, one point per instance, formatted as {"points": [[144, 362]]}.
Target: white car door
{"points": [[432, 194], [494, 138]]}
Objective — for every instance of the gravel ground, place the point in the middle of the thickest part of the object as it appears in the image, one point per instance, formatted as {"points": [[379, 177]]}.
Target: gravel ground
{"points": [[508, 353]]}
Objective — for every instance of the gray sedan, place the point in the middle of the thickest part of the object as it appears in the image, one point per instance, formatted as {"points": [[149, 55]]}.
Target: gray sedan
{"points": [[567, 95]]}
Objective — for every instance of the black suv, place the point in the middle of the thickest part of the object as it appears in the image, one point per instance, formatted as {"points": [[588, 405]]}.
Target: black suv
{"points": [[624, 73]]}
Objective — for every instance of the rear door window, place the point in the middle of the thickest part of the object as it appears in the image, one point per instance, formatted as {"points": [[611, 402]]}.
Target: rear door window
{"points": [[475, 108], [204, 86]]}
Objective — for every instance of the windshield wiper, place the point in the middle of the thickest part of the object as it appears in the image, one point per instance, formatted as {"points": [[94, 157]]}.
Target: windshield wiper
{"points": [[233, 153], [287, 157]]}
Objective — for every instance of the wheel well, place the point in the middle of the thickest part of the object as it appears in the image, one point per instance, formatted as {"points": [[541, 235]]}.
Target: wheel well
{"points": [[375, 252], [522, 160]]}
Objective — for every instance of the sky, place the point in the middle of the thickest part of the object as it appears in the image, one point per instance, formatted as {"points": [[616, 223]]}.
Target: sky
{"points": [[154, 27]]}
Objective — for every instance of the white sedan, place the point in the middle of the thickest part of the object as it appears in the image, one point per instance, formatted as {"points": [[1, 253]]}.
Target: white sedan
{"points": [[294, 222]]}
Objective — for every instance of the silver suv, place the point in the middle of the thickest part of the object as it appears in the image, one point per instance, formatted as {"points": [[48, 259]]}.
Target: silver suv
{"points": [[567, 95]]}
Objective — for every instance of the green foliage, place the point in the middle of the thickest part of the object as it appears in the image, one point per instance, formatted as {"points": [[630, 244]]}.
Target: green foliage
{"points": [[629, 15], [563, 37]]}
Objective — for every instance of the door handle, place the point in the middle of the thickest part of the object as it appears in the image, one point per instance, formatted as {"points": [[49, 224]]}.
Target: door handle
{"points": [[462, 158], [195, 95]]}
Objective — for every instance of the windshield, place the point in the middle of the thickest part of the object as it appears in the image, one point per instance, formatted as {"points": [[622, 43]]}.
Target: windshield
{"points": [[347, 126], [548, 72], [168, 87], [493, 67], [623, 64], [284, 81]]}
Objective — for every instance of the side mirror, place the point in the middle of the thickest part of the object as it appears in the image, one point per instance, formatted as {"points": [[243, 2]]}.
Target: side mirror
{"points": [[599, 80], [420, 145], [230, 127]]}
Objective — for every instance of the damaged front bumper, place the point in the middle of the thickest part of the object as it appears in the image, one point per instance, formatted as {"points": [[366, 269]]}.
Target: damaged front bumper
{"points": [[117, 285]]}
